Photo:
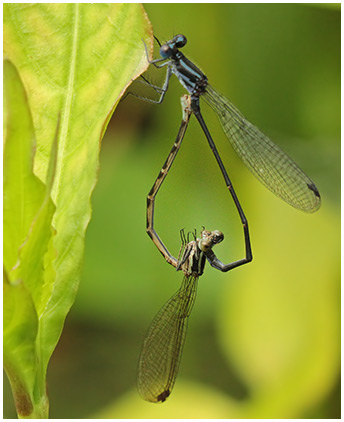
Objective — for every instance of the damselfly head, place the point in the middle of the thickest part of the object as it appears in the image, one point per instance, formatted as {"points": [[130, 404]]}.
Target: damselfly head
{"points": [[166, 51], [179, 40], [217, 236], [209, 239], [172, 46]]}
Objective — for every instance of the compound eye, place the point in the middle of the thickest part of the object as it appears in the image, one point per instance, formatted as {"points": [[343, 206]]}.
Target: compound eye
{"points": [[218, 236], [180, 40], [165, 51]]}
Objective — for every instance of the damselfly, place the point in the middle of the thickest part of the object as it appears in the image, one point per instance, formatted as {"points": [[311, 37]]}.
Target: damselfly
{"points": [[268, 163], [187, 111], [163, 344]]}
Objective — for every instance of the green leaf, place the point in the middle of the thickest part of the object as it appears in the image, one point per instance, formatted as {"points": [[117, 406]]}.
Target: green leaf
{"points": [[23, 192], [75, 61], [20, 330], [29, 209]]}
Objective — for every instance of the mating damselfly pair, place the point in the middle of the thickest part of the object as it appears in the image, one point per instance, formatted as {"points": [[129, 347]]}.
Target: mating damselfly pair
{"points": [[163, 344]]}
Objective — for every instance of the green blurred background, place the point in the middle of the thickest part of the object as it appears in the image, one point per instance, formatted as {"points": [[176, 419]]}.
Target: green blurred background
{"points": [[263, 340]]}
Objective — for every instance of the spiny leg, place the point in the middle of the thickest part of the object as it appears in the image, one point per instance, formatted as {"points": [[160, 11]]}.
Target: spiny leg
{"points": [[183, 244], [168, 74], [160, 90]]}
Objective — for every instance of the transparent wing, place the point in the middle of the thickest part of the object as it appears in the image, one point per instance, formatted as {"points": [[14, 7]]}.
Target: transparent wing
{"points": [[163, 344], [263, 158]]}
